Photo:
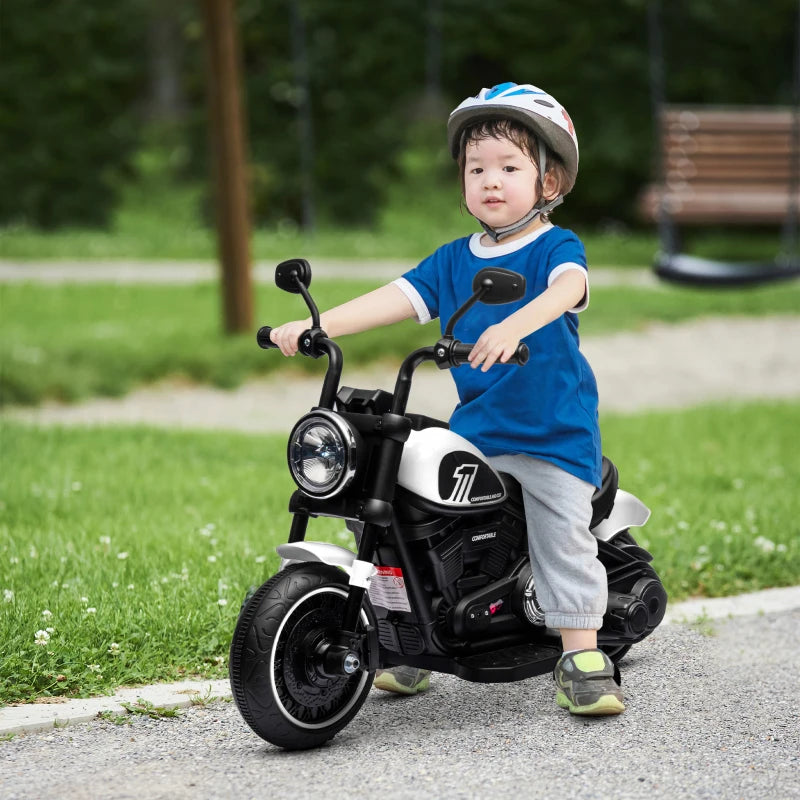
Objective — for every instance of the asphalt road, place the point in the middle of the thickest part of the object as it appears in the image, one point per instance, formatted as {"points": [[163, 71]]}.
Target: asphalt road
{"points": [[712, 713]]}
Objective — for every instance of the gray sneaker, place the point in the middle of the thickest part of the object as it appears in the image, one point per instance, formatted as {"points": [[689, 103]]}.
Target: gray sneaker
{"points": [[585, 684], [403, 680]]}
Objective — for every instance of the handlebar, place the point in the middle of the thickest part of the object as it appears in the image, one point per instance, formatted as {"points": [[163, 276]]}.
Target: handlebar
{"points": [[458, 354], [262, 337]]}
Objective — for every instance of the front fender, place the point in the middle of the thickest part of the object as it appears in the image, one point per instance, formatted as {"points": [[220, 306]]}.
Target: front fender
{"points": [[628, 512], [360, 572]]}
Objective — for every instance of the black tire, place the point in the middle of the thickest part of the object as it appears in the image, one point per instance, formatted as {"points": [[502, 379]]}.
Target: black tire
{"points": [[275, 685], [616, 654]]}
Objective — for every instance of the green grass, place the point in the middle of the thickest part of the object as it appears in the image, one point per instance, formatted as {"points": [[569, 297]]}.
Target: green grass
{"points": [[72, 341], [141, 543], [161, 219]]}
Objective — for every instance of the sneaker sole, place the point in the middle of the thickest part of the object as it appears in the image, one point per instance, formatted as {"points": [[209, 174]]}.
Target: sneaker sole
{"points": [[388, 683], [605, 706]]}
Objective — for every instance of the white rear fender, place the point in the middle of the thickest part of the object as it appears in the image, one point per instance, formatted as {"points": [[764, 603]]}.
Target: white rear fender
{"points": [[360, 572], [628, 512]]}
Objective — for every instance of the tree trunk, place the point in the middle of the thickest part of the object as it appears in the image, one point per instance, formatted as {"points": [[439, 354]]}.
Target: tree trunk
{"points": [[228, 149]]}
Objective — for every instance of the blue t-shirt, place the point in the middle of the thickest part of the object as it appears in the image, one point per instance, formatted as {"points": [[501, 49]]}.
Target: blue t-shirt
{"points": [[548, 407]]}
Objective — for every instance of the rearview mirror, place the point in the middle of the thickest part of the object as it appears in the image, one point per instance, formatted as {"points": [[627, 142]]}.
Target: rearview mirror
{"points": [[498, 285], [288, 272]]}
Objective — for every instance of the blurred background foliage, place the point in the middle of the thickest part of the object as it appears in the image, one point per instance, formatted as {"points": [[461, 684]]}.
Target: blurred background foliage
{"points": [[346, 102]]}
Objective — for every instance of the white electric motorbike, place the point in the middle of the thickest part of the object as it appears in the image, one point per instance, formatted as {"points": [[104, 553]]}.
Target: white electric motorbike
{"points": [[441, 578]]}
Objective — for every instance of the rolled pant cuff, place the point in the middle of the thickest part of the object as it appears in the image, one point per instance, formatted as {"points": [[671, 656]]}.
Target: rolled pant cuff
{"points": [[581, 622]]}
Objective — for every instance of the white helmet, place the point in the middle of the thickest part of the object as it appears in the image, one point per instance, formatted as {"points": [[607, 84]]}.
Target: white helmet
{"points": [[531, 107]]}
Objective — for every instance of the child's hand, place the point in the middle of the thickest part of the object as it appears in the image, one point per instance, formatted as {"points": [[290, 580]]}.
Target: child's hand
{"points": [[287, 335], [497, 343]]}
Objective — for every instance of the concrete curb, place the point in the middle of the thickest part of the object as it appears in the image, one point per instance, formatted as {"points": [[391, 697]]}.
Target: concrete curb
{"points": [[32, 717], [42, 716]]}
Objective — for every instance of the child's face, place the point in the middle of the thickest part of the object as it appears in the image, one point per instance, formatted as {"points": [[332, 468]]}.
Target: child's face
{"points": [[499, 181]]}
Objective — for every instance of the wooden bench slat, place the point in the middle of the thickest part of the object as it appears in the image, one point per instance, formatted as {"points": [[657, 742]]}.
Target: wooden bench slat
{"points": [[726, 165]]}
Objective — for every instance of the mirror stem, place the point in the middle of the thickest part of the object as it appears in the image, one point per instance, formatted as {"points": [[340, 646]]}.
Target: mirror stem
{"points": [[312, 306], [485, 287]]}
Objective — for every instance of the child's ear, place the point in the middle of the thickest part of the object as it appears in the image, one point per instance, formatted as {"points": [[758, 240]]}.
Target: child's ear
{"points": [[551, 186]]}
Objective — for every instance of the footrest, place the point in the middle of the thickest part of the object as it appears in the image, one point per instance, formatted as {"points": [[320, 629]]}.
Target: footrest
{"points": [[513, 663]]}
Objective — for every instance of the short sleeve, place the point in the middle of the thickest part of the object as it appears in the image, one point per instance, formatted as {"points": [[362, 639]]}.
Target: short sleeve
{"points": [[421, 286], [567, 255]]}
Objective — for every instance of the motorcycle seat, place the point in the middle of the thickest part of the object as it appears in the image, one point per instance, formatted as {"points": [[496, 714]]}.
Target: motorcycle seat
{"points": [[602, 499]]}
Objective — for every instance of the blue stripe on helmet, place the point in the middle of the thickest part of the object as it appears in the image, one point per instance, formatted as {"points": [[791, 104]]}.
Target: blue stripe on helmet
{"points": [[504, 90]]}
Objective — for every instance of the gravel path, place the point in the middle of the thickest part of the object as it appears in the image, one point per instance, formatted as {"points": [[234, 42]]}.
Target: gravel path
{"points": [[709, 716], [663, 366]]}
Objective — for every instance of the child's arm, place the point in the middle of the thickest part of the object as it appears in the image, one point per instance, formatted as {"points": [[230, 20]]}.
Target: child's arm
{"points": [[498, 342], [372, 310]]}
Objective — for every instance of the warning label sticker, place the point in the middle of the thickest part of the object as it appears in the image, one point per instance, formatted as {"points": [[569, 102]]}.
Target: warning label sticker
{"points": [[388, 589]]}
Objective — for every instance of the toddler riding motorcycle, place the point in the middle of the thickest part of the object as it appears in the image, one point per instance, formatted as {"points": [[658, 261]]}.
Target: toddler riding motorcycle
{"points": [[441, 579]]}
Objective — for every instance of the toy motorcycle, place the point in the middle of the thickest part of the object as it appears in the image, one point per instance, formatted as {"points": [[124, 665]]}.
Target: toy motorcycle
{"points": [[441, 579]]}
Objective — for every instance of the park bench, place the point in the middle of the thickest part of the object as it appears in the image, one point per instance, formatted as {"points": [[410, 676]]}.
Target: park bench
{"points": [[727, 166]]}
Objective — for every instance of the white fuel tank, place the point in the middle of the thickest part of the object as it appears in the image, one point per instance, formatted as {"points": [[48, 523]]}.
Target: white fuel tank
{"points": [[448, 472]]}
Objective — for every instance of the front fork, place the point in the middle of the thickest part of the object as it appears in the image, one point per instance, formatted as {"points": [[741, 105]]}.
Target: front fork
{"points": [[342, 650]]}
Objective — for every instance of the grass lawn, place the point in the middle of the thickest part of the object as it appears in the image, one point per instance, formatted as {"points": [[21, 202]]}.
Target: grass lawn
{"points": [[71, 341], [125, 552], [161, 219]]}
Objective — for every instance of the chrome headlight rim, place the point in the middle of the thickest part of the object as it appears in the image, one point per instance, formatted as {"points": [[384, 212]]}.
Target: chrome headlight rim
{"points": [[347, 437]]}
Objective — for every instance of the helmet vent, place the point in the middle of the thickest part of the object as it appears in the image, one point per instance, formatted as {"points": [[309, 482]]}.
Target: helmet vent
{"points": [[543, 102]]}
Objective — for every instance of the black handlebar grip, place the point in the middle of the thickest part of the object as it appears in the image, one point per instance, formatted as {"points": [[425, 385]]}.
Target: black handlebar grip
{"points": [[262, 337], [521, 355], [460, 354]]}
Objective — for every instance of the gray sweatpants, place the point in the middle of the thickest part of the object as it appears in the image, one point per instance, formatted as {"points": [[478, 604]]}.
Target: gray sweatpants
{"points": [[571, 584]]}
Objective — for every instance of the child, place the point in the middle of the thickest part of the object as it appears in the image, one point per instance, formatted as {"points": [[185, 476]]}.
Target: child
{"points": [[518, 156]]}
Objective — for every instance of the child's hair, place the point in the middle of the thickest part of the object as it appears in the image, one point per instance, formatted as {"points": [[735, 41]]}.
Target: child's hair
{"points": [[517, 134]]}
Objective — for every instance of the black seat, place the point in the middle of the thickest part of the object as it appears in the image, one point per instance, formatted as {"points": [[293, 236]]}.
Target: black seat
{"points": [[602, 499]]}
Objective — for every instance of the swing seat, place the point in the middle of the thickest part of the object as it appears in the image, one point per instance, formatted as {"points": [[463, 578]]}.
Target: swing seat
{"points": [[686, 269], [729, 166]]}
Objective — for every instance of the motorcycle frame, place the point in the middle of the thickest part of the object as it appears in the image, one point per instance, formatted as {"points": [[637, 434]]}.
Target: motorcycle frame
{"points": [[376, 510]]}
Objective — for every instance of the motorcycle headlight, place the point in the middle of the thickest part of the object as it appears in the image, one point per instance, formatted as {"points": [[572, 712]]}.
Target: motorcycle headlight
{"points": [[322, 454]]}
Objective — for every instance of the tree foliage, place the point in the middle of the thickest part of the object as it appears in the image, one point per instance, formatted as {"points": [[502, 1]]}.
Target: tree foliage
{"points": [[71, 77], [337, 91]]}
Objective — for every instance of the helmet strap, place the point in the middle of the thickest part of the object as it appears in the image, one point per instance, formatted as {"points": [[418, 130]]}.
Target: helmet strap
{"points": [[498, 234]]}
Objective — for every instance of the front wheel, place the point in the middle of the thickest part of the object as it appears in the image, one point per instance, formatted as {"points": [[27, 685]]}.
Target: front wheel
{"points": [[275, 681]]}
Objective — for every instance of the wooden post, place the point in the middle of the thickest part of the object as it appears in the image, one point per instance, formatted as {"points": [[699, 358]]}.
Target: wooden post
{"points": [[228, 156]]}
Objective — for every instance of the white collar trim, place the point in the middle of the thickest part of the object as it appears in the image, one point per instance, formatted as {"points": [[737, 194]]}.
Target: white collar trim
{"points": [[504, 249]]}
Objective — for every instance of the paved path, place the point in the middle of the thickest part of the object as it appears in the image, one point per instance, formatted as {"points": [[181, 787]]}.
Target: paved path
{"points": [[663, 366], [711, 714], [180, 272]]}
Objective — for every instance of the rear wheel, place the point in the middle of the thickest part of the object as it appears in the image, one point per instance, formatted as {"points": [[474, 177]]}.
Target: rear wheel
{"points": [[274, 674], [653, 595]]}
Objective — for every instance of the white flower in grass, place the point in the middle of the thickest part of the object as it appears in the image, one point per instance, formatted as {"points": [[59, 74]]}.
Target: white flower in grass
{"points": [[122, 556], [260, 559], [113, 649], [84, 600], [93, 667], [91, 610], [222, 602], [51, 631], [47, 613], [13, 560], [8, 596], [41, 638], [764, 544], [106, 540], [212, 559], [131, 586]]}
